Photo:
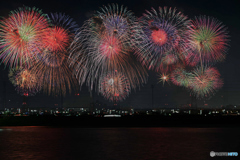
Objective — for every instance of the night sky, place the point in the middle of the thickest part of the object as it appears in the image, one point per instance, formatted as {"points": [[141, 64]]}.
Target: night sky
{"points": [[228, 13]]}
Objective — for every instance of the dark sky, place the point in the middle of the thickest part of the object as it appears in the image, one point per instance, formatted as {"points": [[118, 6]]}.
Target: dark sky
{"points": [[226, 11]]}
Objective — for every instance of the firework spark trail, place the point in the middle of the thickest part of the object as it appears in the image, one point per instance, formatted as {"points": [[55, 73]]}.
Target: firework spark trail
{"points": [[114, 86], [22, 34], [205, 82], [111, 49], [164, 77], [208, 39], [51, 67], [158, 33], [58, 38], [55, 80], [25, 82], [168, 63], [103, 44], [180, 77]]}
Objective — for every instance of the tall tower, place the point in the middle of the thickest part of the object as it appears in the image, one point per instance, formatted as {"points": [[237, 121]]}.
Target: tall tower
{"points": [[92, 104], [25, 103], [4, 93], [152, 94], [61, 102]]}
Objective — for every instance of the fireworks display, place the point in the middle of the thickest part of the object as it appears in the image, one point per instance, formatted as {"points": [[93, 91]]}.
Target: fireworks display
{"points": [[61, 32], [114, 87], [22, 34], [112, 51], [51, 68], [103, 45], [117, 21], [169, 59], [25, 82], [208, 39], [163, 78], [161, 32], [180, 77], [205, 81], [57, 80], [167, 63], [58, 38]]}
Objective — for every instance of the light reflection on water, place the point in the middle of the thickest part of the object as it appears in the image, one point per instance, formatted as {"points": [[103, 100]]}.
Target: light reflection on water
{"points": [[35, 142], [5, 129]]}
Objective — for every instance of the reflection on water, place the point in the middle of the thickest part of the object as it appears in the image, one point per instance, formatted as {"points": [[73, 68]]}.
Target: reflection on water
{"points": [[5, 129], [116, 143]]}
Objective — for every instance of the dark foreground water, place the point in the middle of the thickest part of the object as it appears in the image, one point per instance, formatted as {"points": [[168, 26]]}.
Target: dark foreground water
{"points": [[117, 143]]}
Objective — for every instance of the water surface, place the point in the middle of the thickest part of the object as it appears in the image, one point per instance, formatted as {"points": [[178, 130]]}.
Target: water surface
{"points": [[116, 143]]}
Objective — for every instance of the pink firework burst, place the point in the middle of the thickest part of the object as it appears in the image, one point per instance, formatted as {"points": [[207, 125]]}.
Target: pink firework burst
{"points": [[110, 47], [205, 81], [208, 39]]}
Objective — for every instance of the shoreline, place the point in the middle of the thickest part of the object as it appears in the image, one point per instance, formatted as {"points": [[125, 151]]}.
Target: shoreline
{"points": [[126, 121]]}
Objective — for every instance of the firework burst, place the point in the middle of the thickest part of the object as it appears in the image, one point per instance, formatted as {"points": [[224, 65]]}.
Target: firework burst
{"points": [[61, 32], [25, 82], [205, 81], [169, 59], [103, 45], [167, 63], [114, 87], [163, 78], [208, 39], [51, 67], [116, 20], [159, 34], [55, 80], [180, 77], [22, 34], [58, 38], [191, 59]]}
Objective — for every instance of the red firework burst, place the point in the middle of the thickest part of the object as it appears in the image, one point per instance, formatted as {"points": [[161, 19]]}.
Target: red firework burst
{"points": [[22, 34], [110, 47], [191, 59], [159, 37], [57, 39]]}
